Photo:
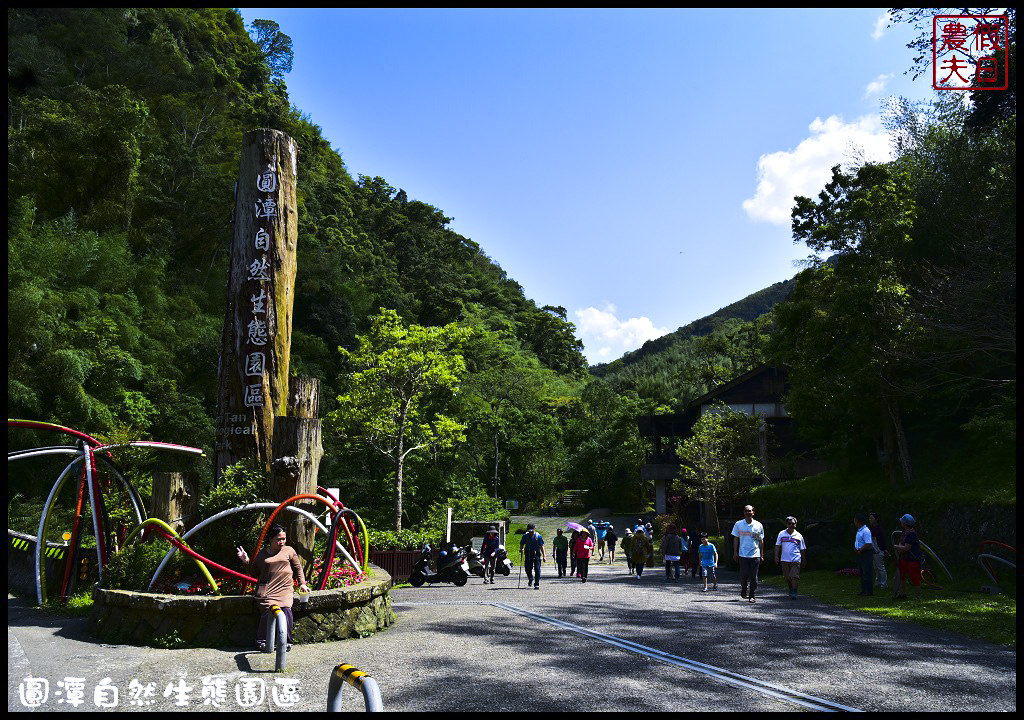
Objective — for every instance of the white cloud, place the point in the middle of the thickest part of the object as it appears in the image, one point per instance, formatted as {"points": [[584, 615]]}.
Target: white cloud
{"points": [[877, 85], [804, 171], [606, 338], [880, 24]]}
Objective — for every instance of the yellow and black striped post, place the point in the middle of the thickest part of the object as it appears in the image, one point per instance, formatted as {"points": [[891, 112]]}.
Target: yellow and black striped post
{"points": [[355, 677]]}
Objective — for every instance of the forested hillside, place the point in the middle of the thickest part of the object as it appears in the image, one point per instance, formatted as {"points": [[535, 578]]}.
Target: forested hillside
{"points": [[685, 364], [124, 132]]}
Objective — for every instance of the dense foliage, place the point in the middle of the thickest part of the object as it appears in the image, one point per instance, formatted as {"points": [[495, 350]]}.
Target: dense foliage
{"points": [[124, 128]]}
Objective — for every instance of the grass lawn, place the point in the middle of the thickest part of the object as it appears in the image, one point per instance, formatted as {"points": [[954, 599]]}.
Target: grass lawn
{"points": [[958, 607]]}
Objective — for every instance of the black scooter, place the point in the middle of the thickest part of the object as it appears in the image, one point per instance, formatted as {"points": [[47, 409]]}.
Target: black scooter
{"points": [[452, 568]]}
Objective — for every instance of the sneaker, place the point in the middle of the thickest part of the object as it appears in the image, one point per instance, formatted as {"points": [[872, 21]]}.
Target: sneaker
{"points": [[705, 589], [715, 587], [536, 587], [288, 648], [751, 599], [261, 645], [743, 594]]}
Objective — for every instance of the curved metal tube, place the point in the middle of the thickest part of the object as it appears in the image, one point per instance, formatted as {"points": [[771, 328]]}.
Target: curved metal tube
{"points": [[270, 520], [988, 571], [180, 544], [927, 549], [161, 524], [41, 533], [277, 629], [358, 679], [366, 537], [232, 511]]}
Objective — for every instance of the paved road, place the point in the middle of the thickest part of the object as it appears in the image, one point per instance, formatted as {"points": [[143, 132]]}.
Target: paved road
{"points": [[454, 649]]}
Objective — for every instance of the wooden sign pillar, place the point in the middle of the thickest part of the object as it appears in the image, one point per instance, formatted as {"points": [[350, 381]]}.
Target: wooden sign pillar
{"points": [[297, 453], [256, 340]]}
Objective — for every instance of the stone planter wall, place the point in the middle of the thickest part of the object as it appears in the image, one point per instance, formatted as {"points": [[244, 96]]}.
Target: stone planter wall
{"points": [[120, 616]]}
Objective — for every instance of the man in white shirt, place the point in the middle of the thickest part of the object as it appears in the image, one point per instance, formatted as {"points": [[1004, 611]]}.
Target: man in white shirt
{"points": [[865, 549], [789, 552], [748, 549]]}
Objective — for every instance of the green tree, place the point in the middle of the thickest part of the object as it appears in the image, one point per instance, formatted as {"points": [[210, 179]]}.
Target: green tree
{"points": [[400, 379], [721, 458]]}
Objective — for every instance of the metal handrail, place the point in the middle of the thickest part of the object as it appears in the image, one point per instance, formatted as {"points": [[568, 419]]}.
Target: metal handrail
{"points": [[358, 679], [277, 628], [995, 589]]}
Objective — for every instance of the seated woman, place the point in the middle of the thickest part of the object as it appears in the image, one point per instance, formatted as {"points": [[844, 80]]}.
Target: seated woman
{"points": [[275, 566]]}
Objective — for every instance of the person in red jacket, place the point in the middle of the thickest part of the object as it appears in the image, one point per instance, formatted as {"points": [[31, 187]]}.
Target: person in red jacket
{"points": [[584, 547]]}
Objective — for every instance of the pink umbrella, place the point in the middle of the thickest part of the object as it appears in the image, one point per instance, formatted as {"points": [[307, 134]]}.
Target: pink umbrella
{"points": [[574, 526]]}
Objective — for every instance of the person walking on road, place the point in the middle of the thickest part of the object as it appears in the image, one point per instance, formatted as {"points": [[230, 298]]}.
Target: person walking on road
{"points": [[748, 549], [610, 539], [532, 549], [878, 538], [865, 550], [790, 549], [708, 561], [561, 547], [642, 549], [572, 552], [693, 540], [627, 549], [488, 552], [909, 549], [583, 550], [602, 532], [671, 551]]}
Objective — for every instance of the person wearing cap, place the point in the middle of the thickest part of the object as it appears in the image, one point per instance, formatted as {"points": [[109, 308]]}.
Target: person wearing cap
{"points": [[878, 538], [602, 531], [627, 549], [488, 550], [909, 552], [531, 546], [748, 549], [865, 550], [790, 549], [583, 550], [641, 550]]}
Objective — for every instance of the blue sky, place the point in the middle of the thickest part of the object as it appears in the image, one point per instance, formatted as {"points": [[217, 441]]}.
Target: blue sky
{"points": [[636, 167]]}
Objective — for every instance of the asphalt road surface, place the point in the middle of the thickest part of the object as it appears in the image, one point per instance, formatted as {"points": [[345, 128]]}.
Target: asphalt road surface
{"points": [[614, 643]]}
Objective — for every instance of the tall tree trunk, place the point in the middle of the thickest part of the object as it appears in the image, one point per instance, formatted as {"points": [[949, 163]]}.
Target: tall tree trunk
{"points": [[256, 339], [901, 439]]}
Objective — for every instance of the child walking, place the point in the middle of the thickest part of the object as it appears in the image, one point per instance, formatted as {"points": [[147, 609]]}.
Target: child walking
{"points": [[708, 561]]}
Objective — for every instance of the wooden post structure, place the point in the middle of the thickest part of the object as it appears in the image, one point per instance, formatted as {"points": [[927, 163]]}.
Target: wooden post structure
{"points": [[297, 451], [176, 499], [256, 340]]}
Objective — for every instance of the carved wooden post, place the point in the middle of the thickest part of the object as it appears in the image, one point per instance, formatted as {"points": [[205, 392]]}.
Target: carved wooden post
{"points": [[256, 340], [297, 452], [176, 498]]}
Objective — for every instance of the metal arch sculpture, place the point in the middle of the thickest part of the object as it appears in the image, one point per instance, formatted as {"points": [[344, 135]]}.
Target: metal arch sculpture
{"points": [[87, 451], [232, 511]]}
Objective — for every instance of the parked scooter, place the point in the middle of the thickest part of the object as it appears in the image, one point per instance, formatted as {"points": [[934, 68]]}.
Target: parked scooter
{"points": [[501, 562], [451, 568], [475, 563]]}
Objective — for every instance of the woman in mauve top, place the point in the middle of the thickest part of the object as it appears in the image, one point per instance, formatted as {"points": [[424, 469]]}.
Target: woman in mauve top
{"points": [[275, 566]]}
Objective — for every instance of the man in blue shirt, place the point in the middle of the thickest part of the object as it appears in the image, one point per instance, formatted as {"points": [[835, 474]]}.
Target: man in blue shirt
{"points": [[532, 548]]}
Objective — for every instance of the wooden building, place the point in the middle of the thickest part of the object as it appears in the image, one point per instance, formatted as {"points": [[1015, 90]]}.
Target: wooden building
{"points": [[758, 392]]}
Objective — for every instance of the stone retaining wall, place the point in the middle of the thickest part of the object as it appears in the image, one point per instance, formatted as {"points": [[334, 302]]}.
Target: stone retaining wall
{"points": [[120, 616]]}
